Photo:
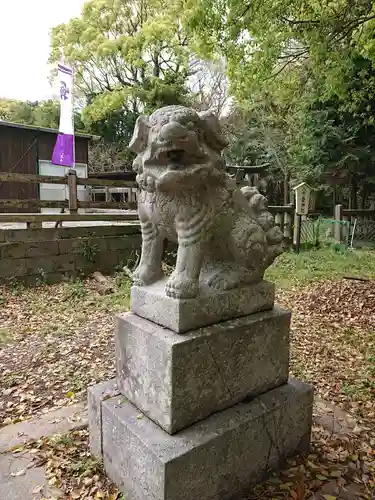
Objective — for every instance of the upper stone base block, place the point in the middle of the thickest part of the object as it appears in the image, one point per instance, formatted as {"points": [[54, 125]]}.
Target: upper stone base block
{"points": [[180, 379], [210, 307]]}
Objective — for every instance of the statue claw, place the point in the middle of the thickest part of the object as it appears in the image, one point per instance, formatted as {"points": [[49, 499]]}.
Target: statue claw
{"points": [[178, 287]]}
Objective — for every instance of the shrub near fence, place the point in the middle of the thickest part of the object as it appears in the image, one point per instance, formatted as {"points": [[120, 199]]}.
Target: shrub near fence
{"points": [[50, 254]]}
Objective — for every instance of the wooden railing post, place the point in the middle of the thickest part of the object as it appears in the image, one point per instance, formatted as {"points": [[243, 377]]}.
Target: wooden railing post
{"points": [[278, 220], [338, 224], [72, 189], [288, 225]]}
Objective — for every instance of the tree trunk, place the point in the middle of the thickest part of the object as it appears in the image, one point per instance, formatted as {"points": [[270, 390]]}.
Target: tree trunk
{"points": [[353, 194], [363, 195], [286, 188], [156, 68]]}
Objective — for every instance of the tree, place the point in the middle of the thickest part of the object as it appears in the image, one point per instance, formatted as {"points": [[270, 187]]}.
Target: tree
{"points": [[127, 55], [209, 87], [316, 59], [257, 136], [17, 111], [336, 135], [265, 39], [38, 113]]}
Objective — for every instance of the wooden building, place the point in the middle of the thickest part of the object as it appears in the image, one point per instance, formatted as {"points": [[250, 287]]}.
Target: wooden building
{"points": [[26, 149]]}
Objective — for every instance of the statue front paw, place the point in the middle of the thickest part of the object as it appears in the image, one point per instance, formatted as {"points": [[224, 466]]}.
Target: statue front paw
{"points": [[146, 275], [180, 287]]}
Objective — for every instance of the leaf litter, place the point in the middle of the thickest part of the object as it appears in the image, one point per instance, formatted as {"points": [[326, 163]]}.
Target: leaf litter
{"points": [[62, 342]]}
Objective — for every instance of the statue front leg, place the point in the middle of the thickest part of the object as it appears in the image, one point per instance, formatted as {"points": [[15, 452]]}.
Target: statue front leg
{"points": [[184, 281], [149, 269], [193, 230]]}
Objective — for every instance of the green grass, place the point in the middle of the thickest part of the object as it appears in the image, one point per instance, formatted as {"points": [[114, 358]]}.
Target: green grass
{"points": [[291, 269]]}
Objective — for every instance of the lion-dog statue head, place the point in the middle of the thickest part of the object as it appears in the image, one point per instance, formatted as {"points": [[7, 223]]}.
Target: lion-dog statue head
{"points": [[175, 145]]}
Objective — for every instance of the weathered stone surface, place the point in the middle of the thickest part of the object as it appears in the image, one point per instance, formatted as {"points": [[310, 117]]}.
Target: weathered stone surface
{"points": [[226, 236], [180, 379], [55, 253], [216, 459], [41, 249], [122, 243], [12, 268], [21, 480], [210, 307], [96, 395], [53, 263], [78, 245], [13, 251]]}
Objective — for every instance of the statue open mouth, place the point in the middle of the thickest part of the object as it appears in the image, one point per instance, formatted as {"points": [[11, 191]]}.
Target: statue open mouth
{"points": [[176, 159]]}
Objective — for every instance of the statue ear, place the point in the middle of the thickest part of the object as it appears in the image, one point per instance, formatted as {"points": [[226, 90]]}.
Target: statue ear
{"points": [[139, 139], [212, 131]]}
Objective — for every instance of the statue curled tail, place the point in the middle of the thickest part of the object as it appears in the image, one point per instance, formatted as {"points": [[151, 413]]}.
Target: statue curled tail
{"points": [[259, 210]]}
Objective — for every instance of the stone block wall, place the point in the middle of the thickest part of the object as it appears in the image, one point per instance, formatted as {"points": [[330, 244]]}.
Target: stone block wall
{"points": [[51, 254]]}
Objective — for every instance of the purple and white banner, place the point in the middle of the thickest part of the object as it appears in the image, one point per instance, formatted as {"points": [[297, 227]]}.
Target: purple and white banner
{"points": [[63, 154]]}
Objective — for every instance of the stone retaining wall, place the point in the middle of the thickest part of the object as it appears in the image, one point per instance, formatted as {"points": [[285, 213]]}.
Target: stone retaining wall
{"points": [[50, 254]]}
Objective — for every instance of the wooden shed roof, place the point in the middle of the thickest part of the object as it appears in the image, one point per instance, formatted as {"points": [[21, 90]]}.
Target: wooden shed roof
{"points": [[42, 129]]}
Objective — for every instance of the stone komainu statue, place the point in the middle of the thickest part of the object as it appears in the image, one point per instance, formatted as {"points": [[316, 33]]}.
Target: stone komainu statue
{"points": [[226, 236]]}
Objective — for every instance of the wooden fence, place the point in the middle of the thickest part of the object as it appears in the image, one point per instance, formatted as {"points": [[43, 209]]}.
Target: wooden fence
{"points": [[349, 215], [72, 204], [284, 215]]}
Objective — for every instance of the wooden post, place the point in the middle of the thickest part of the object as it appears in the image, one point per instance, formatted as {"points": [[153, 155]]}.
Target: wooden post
{"points": [[288, 226], [297, 232], [107, 194], [72, 188], [278, 220], [338, 224]]}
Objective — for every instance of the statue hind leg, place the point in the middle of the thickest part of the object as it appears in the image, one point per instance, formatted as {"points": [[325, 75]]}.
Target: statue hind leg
{"points": [[228, 275]]}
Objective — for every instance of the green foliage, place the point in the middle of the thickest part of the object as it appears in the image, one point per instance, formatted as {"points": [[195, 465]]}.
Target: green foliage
{"points": [[268, 38], [129, 57], [39, 113], [76, 289], [89, 251], [313, 60], [257, 136]]}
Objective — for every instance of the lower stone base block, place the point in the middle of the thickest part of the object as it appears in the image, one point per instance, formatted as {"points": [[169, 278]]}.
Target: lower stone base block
{"points": [[215, 459]]}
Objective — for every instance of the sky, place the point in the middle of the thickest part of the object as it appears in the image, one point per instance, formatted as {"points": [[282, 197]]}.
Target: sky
{"points": [[24, 45]]}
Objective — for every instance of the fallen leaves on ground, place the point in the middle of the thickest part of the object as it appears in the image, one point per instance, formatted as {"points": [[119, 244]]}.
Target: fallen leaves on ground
{"points": [[70, 467], [62, 341], [333, 342], [58, 339], [335, 466]]}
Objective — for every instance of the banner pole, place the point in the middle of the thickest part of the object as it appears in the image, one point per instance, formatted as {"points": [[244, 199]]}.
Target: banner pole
{"points": [[74, 134]]}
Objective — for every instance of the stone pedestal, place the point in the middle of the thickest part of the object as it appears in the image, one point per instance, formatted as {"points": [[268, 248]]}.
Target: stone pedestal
{"points": [[218, 458], [209, 308], [204, 414], [177, 380]]}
